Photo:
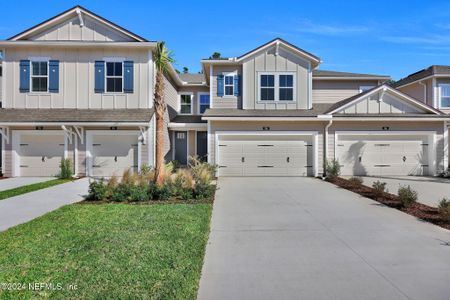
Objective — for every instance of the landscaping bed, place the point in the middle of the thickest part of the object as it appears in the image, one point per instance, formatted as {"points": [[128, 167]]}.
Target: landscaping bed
{"points": [[419, 210], [107, 251]]}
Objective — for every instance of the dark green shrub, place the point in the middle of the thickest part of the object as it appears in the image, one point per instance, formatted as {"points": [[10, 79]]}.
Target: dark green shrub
{"points": [[162, 192], [444, 208], [139, 193], [97, 190], [333, 169], [356, 180], [379, 189], [407, 195], [122, 192], [66, 169], [204, 190]]}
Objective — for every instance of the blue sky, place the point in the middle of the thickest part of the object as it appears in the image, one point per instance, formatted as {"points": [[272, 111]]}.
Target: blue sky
{"points": [[381, 37]]}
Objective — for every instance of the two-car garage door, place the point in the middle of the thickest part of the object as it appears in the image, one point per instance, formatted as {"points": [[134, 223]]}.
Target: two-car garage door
{"points": [[265, 156], [373, 155]]}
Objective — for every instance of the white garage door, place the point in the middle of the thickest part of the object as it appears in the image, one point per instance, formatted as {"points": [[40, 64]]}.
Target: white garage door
{"points": [[377, 156], [265, 157], [40, 155], [113, 154]]}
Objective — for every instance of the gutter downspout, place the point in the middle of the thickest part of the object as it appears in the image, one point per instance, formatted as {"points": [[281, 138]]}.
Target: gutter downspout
{"points": [[424, 91], [325, 147]]}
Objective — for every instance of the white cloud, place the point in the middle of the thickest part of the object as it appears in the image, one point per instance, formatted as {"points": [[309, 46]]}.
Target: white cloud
{"points": [[435, 39], [307, 26]]}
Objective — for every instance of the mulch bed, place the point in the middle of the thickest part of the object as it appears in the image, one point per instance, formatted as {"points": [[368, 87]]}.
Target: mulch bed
{"points": [[418, 210]]}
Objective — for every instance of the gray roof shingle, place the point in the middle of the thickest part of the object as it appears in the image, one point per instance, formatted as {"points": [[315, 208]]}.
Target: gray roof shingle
{"points": [[327, 73], [75, 115], [317, 109], [187, 119], [431, 70]]}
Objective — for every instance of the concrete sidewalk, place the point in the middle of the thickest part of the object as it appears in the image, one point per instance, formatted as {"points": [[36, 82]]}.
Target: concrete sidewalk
{"points": [[23, 208], [10, 183], [302, 238]]}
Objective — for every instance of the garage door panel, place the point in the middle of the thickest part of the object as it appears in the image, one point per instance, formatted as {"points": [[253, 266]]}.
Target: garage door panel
{"points": [[271, 157], [375, 156]]}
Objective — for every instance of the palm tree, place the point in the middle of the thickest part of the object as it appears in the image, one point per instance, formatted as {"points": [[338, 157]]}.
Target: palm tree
{"points": [[162, 58]]}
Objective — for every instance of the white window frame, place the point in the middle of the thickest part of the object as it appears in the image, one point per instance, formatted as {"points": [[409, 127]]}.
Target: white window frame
{"points": [[191, 95], [113, 60], [230, 74], [277, 87], [363, 88], [39, 59], [198, 101], [440, 95]]}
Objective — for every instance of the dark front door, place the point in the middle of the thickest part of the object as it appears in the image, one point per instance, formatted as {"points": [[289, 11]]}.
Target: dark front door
{"points": [[202, 145], [181, 147]]}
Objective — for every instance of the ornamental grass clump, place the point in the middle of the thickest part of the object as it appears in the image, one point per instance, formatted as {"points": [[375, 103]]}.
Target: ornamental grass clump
{"points": [[333, 169], [444, 208], [407, 195], [379, 188]]}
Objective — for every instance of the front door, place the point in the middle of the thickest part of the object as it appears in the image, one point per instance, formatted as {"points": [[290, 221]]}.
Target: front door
{"points": [[202, 145], [181, 147]]}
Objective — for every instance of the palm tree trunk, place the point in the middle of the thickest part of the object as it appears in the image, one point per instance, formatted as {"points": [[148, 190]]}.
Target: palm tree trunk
{"points": [[160, 109]]}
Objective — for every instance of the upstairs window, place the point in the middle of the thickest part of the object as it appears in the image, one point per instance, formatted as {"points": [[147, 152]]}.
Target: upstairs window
{"points": [[39, 76], [229, 85], [186, 104], [286, 88], [276, 87], [114, 77], [267, 87], [445, 95], [203, 103], [364, 88]]}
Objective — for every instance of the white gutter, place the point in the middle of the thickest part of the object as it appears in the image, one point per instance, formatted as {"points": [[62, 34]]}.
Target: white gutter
{"points": [[123, 124], [67, 44], [349, 78], [422, 79], [261, 119]]}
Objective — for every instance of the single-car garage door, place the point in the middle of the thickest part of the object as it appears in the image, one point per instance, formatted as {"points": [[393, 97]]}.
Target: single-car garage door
{"points": [[40, 155], [265, 156], [113, 154], [381, 155]]}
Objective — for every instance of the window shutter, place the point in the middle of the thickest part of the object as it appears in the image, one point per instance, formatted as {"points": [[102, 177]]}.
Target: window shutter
{"points": [[24, 76], [237, 83], [99, 76], [128, 76], [53, 85], [220, 85]]}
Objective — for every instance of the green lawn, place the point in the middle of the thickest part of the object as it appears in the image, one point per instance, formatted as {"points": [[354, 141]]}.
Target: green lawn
{"points": [[31, 188], [109, 251]]}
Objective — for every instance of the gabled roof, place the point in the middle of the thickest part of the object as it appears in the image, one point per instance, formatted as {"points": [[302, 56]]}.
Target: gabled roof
{"points": [[338, 106], [318, 74], [317, 109], [277, 41], [70, 12], [422, 74]]}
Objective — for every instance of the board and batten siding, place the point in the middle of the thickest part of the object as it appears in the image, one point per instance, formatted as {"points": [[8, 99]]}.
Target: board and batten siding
{"points": [[274, 127], [268, 61], [76, 79], [393, 126], [332, 91], [224, 101], [196, 91], [92, 30]]}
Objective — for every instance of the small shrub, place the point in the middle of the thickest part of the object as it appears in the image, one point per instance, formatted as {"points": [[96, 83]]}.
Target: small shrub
{"points": [[333, 169], [139, 193], [122, 192], [146, 169], [444, 208], [162, 192], [97, 190], [379, 188], [66, 169], [407, 195], [204, 190], [356, 181]]}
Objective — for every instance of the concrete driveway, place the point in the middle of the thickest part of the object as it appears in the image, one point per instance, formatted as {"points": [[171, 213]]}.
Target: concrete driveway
{"points": [[431, 190], [23, 208], [301, 238], [10, 183]]}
